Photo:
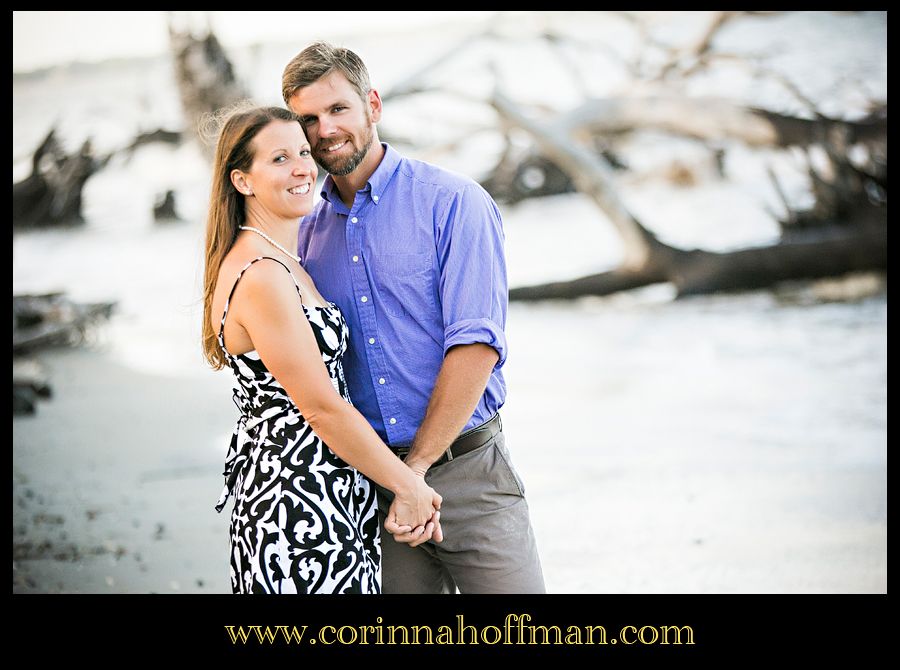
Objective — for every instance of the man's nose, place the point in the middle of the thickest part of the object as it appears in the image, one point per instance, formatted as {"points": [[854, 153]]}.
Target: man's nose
{"points": [[326, 127]]}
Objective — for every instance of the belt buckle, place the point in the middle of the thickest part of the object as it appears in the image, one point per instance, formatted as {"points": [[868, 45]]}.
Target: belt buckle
{"points": [[449, 454]]}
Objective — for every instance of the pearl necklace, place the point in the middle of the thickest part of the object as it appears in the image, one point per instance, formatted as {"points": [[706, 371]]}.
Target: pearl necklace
{"points": [[272, 242]]}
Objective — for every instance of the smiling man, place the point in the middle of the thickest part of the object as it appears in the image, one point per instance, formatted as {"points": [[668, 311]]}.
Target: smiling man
{"points": [[413, 255]]}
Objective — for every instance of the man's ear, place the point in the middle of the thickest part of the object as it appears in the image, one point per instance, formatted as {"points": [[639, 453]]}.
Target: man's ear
{"points": [[374, 102]]}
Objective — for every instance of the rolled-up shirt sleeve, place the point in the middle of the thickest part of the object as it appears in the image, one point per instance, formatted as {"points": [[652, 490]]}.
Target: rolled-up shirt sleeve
{"points": [[473, 285]]}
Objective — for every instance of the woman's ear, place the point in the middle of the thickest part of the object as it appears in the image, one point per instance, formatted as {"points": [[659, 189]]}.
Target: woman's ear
{"points": [[239, 181]]}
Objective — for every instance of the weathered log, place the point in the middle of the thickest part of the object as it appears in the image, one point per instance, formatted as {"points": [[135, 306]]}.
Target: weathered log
{"points": [[52, 319], [711, 120], [715, 119], [699, 272], [850, 232], [590, 173], [51, 194]]}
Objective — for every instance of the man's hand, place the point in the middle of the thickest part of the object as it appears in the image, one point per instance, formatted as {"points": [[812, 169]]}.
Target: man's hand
{"points": [[414, 536]]}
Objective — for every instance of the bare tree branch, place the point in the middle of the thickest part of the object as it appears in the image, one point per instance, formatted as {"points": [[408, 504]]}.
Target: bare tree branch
{"points": [[591, 174]]}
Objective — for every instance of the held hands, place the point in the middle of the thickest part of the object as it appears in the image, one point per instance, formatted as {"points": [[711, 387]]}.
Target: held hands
{"points": [[414, 516]]}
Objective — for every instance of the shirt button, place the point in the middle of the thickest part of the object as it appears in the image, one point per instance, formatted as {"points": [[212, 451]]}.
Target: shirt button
{"points": [[371, 340], [393, 421], [355, 259], [354, 220], [364, 299], [375, 198], [381, 381]]}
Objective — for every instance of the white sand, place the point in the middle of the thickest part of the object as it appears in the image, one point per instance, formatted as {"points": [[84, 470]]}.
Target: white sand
{"points": [[114, 482], [115, 478]]}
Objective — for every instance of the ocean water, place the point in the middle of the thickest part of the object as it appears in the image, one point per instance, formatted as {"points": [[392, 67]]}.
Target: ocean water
{"points": [[714, 444]]}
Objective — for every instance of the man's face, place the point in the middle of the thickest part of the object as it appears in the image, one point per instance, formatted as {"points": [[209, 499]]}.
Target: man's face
{"points": [[339, 125]]}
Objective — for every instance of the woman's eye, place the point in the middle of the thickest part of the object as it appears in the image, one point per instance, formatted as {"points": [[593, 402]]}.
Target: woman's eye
{"points": [[279, 159], [305, 152]]}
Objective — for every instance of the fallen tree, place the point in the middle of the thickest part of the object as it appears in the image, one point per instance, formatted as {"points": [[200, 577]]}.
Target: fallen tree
{"points": [[845, 231]]}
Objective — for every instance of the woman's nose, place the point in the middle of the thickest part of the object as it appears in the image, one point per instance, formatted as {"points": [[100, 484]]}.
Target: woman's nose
{"points": [[305, 166]]}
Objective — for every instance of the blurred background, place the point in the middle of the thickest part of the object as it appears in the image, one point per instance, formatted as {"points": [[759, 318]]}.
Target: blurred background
{"points": [[695, 212]]}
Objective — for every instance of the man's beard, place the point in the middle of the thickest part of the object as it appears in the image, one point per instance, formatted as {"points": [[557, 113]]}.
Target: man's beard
{"points": [[339, 166]]}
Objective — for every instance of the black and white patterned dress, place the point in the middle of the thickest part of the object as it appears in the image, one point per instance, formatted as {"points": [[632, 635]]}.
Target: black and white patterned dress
{"points": [[304, 521]]}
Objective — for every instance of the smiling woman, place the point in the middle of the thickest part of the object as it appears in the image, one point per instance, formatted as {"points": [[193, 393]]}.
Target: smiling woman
{"points": [[304, 517]]}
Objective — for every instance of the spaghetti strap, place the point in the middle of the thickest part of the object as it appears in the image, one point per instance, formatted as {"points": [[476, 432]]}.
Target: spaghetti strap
{"points": [[234, 286]]}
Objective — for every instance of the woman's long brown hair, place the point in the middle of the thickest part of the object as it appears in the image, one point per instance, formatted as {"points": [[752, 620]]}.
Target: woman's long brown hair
{"points": [[227, 207]]}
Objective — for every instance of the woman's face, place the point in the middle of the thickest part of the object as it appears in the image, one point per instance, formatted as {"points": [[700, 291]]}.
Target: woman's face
{"points": [[283, 172]]}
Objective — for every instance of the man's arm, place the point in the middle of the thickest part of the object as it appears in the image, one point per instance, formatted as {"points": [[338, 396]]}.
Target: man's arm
{"points": [[474, 299], [460, 384]]}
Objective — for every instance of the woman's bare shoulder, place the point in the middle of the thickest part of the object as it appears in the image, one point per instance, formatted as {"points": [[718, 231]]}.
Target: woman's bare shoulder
{"points": [[265, 282]]}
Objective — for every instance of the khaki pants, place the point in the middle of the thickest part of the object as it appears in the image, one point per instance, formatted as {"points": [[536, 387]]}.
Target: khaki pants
{"points": [[488, 547]]}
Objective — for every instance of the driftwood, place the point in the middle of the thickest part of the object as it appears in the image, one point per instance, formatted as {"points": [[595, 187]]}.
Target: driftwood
{"points": [[29, 384], [41, 321], [713, 121], [850, 229], [51, 319], [206, 79], [51, 194], [844, 231]]}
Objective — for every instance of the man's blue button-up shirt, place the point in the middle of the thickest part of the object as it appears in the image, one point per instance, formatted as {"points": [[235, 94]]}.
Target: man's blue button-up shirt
{"points": [[416, 266]]}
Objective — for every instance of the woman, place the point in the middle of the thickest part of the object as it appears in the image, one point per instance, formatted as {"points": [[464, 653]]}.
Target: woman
{"points": [[304, 518]]}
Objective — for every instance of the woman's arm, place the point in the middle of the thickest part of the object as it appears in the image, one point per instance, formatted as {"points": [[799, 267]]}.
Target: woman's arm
{"points": [[266, 304]]}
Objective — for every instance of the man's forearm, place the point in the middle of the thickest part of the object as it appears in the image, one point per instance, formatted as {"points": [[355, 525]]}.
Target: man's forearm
{"points": [[460, 384]]}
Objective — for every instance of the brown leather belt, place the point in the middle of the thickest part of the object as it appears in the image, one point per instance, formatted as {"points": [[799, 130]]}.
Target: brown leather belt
{"points": [[466, 442]]}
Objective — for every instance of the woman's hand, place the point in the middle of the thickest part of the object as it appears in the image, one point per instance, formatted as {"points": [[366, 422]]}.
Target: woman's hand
{"points": [[414, 517], [415, 503]]}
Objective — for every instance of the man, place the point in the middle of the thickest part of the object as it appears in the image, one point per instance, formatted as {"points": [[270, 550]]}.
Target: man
{"points": [[413, 256]]}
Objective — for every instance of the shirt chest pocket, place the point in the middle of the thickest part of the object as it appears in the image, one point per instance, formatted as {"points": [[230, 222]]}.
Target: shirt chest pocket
{"points": [[405, 283]]}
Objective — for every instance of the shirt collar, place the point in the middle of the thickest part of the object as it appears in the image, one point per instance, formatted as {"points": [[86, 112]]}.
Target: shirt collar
{"points": [[376, 184]]}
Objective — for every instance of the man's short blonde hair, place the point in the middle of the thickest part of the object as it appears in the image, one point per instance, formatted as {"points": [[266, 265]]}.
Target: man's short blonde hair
{"points": [[321, 59]]}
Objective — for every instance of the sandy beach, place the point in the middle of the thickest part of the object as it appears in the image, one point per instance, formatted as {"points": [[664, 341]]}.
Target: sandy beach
{"points": [[115, 477], [110, 492]]}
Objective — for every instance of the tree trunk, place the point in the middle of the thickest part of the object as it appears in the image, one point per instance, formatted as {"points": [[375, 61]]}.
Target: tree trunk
{"points": [[849, 232], [51, 195]]}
